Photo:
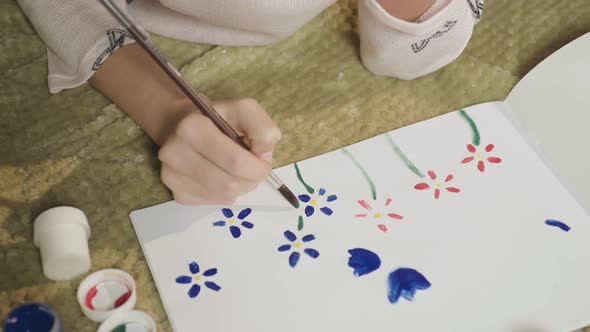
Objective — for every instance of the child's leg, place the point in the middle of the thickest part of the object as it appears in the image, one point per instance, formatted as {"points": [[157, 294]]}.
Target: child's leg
{"points": [[394, 47], [227, 22]]}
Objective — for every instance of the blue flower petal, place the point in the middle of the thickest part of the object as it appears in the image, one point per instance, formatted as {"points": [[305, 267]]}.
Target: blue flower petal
{"points": [[228, 213], [290, 236], [309, 237], [322, 191], [219, 223], [294, 258], [332, 198], [244, 213], [194, 267], [184, 280], [194, 291], [235, 231], [309, 210], [247, 224], [285, 247], [213, 286], [304, 198], [210, 272], [312, 253], [327, 211]]}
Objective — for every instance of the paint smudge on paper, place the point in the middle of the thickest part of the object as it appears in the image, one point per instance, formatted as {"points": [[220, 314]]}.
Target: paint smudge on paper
{"points": [[234, 225], [410, 165], [296, 246], [556, 223], [405, 282], [363, 261], [476, 136], [363, 171], [196, 277]]}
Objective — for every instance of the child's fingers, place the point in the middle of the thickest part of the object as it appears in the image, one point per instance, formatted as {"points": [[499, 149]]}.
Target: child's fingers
{"points": [[204, 137], [249, 117]]}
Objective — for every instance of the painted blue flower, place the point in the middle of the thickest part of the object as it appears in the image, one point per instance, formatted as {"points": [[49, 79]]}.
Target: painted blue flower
{"points": [[234, 229], [314, 202], [296, 245], [196, 277]]}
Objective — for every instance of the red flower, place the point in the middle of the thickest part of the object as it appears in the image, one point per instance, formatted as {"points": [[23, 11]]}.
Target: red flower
{"points": [[480, 156], [437, 185], [377, 215]]}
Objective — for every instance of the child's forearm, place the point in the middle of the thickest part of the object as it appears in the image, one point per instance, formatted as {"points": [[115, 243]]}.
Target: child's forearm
{"points": [[137, 85], [406, 10]]}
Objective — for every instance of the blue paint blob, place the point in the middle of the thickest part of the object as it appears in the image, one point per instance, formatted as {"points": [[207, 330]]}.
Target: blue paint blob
{"points": [[220, 223], [247, 224], [235, 231], [294, 258], [210, 272], [290, 236], [194, 291], [558, 224], [312, 253], [244, 213], [228, 213], [404, 282], [309, 237], [33, 317], [327, 211], [212, 286], [309, 210], [363, 261], [285, 247], [184, 280], [194, 267]]}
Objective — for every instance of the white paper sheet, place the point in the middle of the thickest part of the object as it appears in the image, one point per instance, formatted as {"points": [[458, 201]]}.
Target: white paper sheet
{"points": [[492, 262]]}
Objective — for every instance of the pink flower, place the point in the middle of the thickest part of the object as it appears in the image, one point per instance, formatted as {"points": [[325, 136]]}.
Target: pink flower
{"points": [[481, 157], [437, 185], [378, 214]]}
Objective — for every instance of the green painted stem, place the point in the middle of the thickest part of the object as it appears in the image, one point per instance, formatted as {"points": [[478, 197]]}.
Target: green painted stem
{"points": [[476, 136], [365, 174], [403, 157], [307, 187], [300, 223]]}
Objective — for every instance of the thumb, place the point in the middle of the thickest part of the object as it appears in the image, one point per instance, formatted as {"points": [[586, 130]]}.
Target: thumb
{"points": [[250, 119]]}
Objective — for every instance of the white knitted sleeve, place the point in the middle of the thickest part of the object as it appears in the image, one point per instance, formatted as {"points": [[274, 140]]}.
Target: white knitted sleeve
{"points": [[79, 35], [407, 50]]}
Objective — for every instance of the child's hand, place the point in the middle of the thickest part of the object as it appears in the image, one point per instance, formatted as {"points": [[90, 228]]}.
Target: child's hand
{"points": [[201, 165]]}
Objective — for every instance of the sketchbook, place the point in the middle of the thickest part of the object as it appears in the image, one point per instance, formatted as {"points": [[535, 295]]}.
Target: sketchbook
{"points": [[475, 220]]}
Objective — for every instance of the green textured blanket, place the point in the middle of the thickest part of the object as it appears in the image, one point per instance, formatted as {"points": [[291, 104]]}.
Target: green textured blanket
{"points": [[76, 149]]}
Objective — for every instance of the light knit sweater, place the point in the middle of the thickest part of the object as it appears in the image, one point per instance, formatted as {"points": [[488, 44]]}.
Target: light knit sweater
{"points": [[81, 34]]}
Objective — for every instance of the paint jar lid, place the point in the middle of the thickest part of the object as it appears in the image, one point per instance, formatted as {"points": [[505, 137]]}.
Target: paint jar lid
{"points": [[128, 321], [106, 292]]}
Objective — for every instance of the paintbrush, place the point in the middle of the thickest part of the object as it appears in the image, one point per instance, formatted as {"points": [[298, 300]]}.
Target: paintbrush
{"points": [[143, 40]]}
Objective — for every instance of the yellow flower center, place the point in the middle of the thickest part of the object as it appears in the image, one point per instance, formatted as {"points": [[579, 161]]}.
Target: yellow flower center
{"points": [[439, 185], [378, 215], [478, 156], [297, 245], [197, 277], [232, 221], [314, 202]]}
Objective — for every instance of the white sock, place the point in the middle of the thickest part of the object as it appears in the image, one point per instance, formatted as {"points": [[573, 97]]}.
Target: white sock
{"points": [[407, 50]]}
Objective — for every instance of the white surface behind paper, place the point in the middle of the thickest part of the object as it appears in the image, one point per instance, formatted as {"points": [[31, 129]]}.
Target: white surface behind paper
{"points": [[552, 104], [493, 263]]}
